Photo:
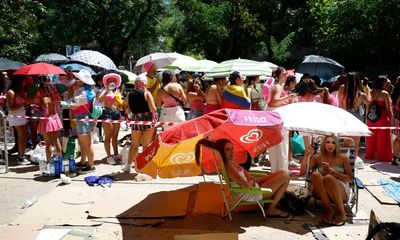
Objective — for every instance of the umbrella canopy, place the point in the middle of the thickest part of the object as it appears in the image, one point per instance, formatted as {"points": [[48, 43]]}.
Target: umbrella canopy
{"points": [[124, 77], [77, 67], [321, 119], [7, 64], [172, 155], [323, 67], [131, 76], [159, 59], [244, 66], [180, 61], [39, 69], [53, 58], [93, 58], [203, 65]]}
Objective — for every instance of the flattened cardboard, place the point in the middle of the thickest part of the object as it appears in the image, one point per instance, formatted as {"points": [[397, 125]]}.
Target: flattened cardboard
{"points": [[380, 194]]}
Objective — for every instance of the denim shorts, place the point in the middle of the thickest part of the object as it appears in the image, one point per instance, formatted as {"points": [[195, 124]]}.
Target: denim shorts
{"points": [[85, 127], [109, 114]]}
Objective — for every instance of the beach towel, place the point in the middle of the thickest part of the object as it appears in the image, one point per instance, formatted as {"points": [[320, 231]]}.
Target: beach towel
{"points": [[236, 98], [391, 187]]}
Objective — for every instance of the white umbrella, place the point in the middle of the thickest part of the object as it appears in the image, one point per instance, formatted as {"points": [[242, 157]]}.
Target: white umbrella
{"points": [[52, 58], [93, 58], [319, 118], [159, 59], [131, 76], [203, 65], [180, 61]]}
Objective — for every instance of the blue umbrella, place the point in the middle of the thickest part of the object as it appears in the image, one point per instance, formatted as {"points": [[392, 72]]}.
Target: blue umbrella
{"points": [[7, 64]]}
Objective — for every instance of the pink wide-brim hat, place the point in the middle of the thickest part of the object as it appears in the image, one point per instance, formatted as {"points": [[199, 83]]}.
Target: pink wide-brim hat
{"points": [[148, 65], [110, 76]]}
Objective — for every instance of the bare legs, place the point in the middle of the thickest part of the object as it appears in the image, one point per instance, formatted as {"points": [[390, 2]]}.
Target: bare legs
{"points": [[51, 138], [328, 189], [22, 138], [111, 137], [137, 138], [278, 182], [85, 142]]}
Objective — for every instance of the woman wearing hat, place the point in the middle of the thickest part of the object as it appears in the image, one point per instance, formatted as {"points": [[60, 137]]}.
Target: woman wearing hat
{"points": [[82, 102], [140, 104], [112, 100]]}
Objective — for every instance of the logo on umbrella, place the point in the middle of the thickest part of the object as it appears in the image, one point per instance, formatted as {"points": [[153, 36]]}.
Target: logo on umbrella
{"points": [[253, 135], [182, 158]]}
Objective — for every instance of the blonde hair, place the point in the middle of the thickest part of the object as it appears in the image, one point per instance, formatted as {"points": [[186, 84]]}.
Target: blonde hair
{"points": [[337, 146]]}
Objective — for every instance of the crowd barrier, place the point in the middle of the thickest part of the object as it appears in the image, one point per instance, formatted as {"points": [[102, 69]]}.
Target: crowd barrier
{"points": [[3, 129]]}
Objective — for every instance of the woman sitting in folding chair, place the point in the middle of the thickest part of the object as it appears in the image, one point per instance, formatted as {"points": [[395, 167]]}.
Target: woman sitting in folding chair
{"points": [[277, 181], [330, 181]]}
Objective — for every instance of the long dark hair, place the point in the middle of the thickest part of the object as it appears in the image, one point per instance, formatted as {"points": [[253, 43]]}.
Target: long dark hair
{"points": [[380, 82], [17, 83], [352, 86], [276, 73], [217, 145]]}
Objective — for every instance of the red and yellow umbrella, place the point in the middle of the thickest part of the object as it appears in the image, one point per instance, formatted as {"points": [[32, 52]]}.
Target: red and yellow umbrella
{"points": [[172, 154]]}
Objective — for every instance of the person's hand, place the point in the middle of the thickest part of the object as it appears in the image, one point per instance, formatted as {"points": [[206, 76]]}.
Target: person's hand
{"points": [[326, 167]]}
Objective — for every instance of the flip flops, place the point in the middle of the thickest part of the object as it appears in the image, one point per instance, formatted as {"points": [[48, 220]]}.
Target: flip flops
{"points": [[279, 215]]}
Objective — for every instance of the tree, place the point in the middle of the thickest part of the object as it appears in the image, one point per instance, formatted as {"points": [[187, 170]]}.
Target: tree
{"points": [[18, 32]]}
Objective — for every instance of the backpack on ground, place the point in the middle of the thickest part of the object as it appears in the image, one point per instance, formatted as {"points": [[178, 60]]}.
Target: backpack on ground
{"points": [[266, 90]]}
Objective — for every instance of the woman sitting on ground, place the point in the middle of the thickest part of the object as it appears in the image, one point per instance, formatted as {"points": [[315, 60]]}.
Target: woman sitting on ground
{"points": [[331, 182], [277, 181]]}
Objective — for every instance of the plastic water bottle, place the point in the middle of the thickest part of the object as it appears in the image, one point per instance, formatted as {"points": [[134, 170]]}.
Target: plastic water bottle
{"points": [[42, 165], [72, 166], [57, 167], [60, 164], [52, 167], [29, 202]]}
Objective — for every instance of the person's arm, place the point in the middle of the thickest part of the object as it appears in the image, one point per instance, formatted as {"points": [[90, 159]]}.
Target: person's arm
{"points": [[276, 99], [103, 94], [388, 104], [313, 161], [347, 176], [126, 104], [238, 175], [182, 94]]}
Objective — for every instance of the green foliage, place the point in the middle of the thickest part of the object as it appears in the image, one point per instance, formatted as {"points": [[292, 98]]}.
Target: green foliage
{"points": [[280, 51]]}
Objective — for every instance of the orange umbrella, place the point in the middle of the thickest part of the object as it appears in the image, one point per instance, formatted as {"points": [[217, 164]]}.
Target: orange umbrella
{"points": [[172, 154]]}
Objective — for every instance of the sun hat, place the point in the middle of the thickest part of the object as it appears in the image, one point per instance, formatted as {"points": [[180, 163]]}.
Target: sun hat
{"points": [[84, 76], [112, 76], [148, 65], [141, 77]]}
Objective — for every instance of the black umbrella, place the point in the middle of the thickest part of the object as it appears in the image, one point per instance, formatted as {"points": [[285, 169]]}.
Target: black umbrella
{"points": [[323, 67], [7, 64], [53, 58], [124, 77]]}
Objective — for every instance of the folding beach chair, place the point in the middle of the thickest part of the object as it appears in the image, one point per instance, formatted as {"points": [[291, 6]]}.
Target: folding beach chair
{"points": [[356, 184], [232, 189]]}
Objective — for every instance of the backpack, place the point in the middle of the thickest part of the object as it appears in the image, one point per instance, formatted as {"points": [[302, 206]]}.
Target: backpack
{"points": [[266, 90], [374, 113], [293, 204]]}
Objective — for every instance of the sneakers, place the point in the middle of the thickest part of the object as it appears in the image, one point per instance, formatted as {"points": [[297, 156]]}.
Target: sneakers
{"points": [[23, 161], [80, 165], [294, 164], [110, 160], [127, 168]]}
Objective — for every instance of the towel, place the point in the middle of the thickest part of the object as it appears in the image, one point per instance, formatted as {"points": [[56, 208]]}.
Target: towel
{"points": [[391, 187]]}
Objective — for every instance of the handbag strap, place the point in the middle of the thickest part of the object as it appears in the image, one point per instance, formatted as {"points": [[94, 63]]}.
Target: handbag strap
{"points": [[175, 98]]}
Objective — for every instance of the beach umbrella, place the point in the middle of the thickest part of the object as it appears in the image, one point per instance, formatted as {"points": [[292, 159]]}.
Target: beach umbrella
{"points": [[203, 65], [7, 64], [320, 118], [53, 58], [180, 61], [39, 69], [244, 66], [172, 154], [93, 58], [77, 67], [323, 67], [159, 59]]}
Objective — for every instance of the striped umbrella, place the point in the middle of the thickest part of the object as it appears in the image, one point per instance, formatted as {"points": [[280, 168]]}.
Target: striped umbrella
{"points": [[244, 66], [93, 58], [203, 65]]}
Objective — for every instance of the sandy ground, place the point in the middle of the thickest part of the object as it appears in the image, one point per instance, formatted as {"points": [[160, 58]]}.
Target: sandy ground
{"points": [[23, 183]]}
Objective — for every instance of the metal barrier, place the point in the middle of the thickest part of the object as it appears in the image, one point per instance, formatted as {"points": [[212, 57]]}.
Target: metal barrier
{"points": [[3, 136]]}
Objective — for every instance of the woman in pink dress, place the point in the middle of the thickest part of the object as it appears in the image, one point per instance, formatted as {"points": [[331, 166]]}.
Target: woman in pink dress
{"points": [[380, 141], [51, 126]]}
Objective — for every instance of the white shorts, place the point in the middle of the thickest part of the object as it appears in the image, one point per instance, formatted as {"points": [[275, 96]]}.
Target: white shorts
{"points": [[13, 121]]}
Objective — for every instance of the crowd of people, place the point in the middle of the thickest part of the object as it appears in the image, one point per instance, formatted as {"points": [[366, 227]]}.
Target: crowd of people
{"points": [[165, 97]]}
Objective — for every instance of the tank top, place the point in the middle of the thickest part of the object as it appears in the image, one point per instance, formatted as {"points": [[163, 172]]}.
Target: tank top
{"points": [[137, 102]]}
